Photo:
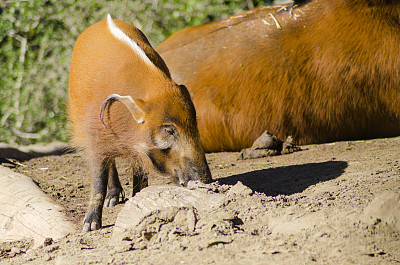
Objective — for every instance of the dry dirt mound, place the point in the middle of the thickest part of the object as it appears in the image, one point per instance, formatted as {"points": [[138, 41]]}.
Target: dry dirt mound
{"points": [[328, 204], [26, 212]]}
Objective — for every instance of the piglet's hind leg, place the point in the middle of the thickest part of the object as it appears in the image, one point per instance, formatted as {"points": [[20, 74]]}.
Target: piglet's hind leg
{"points": [[114, 188], [100, 171]]}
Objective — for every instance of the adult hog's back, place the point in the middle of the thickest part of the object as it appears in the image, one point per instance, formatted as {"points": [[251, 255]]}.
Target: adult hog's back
{"points": [[320, 71], [122, 102]]}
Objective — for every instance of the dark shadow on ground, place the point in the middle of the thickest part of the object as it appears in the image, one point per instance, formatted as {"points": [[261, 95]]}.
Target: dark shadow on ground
{"points": [[23, 153], [290, 179]]}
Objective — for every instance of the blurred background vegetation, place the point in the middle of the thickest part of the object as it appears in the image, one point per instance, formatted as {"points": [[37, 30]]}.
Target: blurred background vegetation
{"points": [[36, 44]]}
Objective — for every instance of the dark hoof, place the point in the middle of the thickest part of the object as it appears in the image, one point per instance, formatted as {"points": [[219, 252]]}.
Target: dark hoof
{"points": [[113, 196], [268, 145], [267, 141], [250, 153], [92, 221], [91, 226]]}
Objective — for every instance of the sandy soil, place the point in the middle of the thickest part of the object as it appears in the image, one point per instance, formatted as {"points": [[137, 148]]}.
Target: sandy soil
{"points": [[326, 204]]}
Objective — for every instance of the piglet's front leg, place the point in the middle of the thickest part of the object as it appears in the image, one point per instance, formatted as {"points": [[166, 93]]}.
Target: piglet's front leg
{"points": [[114, 188]]}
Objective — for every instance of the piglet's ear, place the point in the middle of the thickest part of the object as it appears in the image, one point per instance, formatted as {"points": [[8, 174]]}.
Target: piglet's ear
{"points": [[132, 105]]}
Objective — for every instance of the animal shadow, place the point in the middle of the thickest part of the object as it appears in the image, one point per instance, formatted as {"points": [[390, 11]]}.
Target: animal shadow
{"points": [[289, 179]]}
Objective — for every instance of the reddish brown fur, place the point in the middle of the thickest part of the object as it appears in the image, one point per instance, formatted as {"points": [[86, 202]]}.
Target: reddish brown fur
{"points": [[167, 143], [331, 73]]}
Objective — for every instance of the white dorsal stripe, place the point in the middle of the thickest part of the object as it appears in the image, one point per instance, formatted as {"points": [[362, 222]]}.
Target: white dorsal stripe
{"points": [[120, 35]]}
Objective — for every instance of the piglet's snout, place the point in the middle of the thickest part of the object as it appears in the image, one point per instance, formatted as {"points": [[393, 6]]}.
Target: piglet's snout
{"points": [[193, 171]]}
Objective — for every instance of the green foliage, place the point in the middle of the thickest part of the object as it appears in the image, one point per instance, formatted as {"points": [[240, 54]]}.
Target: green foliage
{"points": [[36, 43]]}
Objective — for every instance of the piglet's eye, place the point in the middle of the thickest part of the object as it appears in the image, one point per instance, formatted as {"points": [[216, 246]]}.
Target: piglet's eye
{"points": [[165, 137], [169, 130]]}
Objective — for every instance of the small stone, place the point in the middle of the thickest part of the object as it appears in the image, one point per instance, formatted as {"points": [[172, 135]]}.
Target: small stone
{"points": [[15, 250], [239, 189], [48, 241]]}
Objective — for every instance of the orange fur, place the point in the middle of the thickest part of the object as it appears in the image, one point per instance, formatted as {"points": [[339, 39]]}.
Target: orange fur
{"points": [[332, 72]]}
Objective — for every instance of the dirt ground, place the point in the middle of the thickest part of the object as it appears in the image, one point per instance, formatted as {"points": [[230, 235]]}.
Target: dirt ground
{"points": [[322, 205]]}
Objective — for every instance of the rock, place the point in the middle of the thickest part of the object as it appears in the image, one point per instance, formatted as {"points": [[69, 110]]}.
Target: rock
{"points": [[239, 189], [15, 250], [386, 207], [26, 212], [156, 198], [48, 241]]}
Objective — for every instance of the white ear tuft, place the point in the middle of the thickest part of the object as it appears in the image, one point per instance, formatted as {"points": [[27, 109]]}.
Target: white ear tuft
{"points": [[136, 111], [120, 35]]}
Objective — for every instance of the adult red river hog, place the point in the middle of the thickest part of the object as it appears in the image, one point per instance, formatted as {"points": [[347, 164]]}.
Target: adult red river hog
{"points": [[320, 71], [154, 123]]}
